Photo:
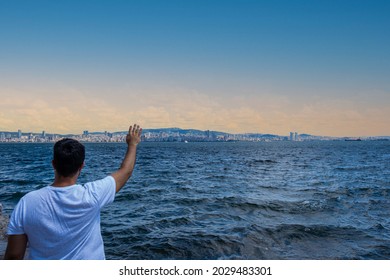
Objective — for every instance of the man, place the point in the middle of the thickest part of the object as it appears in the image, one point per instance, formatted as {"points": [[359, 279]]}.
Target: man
{"points": [[62, 221]]}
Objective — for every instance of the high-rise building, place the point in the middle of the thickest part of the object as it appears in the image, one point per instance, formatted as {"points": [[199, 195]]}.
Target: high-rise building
{"points": [[43, 134], [293, 136], [19, 134]]}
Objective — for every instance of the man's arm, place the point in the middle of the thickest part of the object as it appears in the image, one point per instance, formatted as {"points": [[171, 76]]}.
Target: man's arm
{"points": [[124, 172], [16, 247]]}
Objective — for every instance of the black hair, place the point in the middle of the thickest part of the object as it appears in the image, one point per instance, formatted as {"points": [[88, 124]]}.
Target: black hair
{"points": [[68, 156]]}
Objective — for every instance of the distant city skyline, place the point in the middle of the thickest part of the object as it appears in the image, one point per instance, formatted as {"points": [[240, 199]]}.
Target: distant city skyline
{"points": [[240, 66], [292, 135]]}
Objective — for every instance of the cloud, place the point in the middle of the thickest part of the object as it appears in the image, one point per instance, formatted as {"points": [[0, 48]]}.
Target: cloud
{"points": [[62, 112], [70, 110]]}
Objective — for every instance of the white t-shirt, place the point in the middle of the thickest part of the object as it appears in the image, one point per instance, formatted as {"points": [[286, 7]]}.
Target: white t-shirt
{"points": [[63, 222]]}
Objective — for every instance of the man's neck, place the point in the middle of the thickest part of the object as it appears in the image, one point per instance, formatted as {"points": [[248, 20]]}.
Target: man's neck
{"points": [[60, 181]]}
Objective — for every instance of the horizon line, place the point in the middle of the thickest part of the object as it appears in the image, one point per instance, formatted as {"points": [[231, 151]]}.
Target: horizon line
{"points": [[164, 128]]}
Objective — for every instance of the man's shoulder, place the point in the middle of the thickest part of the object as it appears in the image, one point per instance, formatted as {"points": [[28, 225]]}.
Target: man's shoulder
{"points": [[101, 191], [108, 180], [36, 193]]}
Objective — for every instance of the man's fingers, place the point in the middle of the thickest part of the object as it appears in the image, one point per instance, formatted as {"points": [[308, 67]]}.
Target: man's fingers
{"points": [[135, 129]]}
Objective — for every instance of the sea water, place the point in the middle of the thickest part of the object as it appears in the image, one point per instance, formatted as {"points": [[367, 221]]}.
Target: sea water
{"points": [[240, 200]]}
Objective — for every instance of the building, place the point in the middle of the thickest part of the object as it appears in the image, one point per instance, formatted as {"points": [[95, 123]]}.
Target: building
{"points": [[293, 136]]}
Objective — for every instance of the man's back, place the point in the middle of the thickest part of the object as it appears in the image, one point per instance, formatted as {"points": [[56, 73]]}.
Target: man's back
{"points": [[64, 223]]}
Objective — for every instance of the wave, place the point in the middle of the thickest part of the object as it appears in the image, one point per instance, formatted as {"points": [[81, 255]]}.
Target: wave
{"points": [[232, 201]]}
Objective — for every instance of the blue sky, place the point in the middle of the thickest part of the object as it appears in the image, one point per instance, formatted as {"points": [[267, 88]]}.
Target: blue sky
{"points": [[317, 67]]}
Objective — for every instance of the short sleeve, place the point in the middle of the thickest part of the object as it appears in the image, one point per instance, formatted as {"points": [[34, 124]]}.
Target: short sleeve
{"points": [[15, 225], [103, 191]]}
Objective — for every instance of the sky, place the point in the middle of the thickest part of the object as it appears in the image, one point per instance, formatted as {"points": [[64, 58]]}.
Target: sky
{"points": [[260, 66]]}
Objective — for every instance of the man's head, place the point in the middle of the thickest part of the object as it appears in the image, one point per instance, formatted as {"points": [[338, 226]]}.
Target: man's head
{"points": [[68, 157]]}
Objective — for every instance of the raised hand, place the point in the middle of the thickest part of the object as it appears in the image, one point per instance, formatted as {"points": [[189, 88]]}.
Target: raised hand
{"points": [[134, 135]]}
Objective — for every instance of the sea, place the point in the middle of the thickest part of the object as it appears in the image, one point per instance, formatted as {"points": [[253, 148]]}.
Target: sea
{"points": [[230, 200]]}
